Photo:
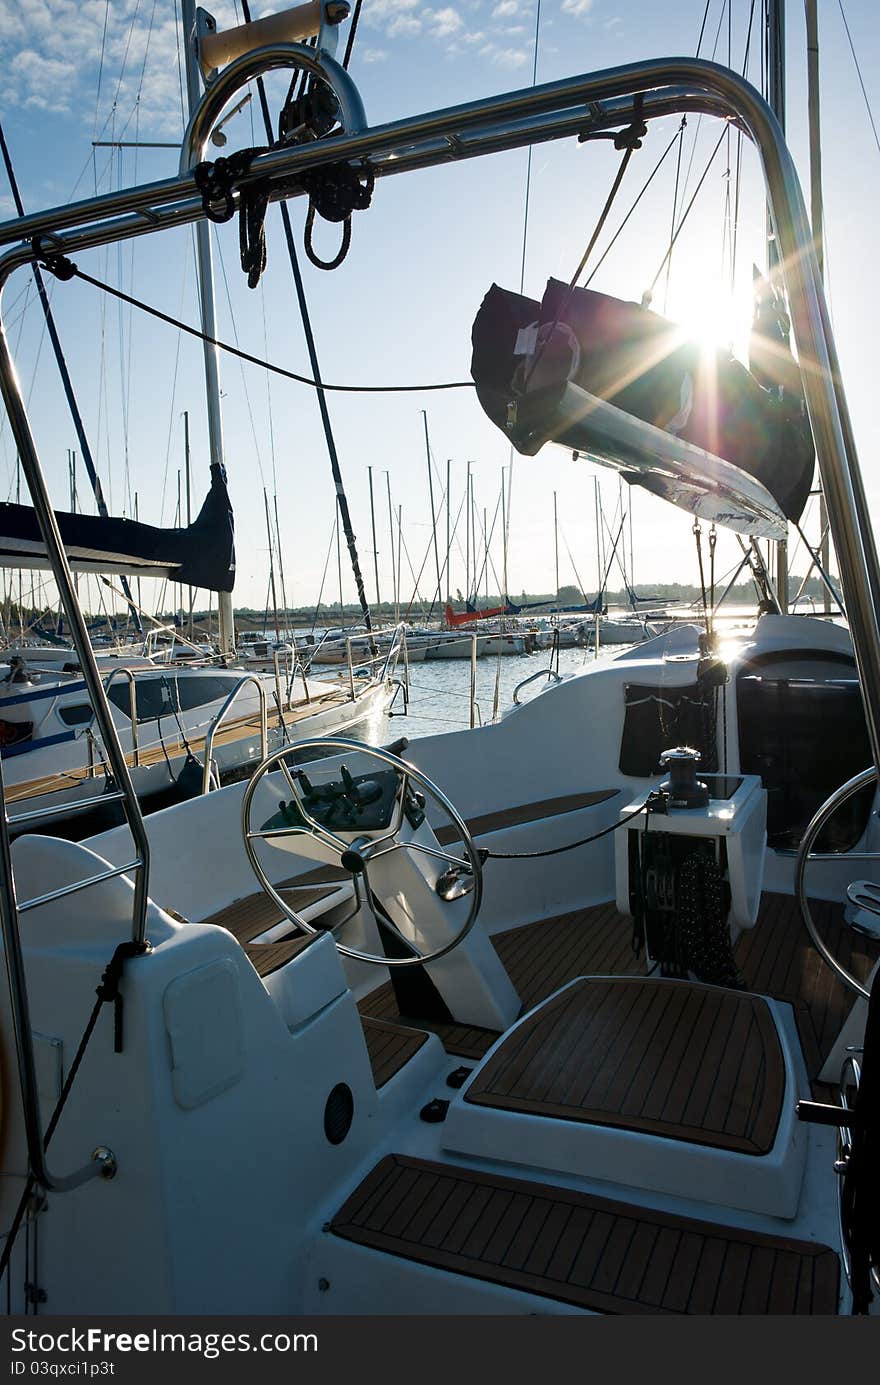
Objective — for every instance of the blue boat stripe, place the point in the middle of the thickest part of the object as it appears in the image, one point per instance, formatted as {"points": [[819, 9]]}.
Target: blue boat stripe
{"points": [[7, 751], [40, 693]]}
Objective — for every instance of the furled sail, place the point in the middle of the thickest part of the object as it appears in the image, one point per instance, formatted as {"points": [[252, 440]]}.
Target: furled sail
{"points": [[623, 386], [201, 555]]}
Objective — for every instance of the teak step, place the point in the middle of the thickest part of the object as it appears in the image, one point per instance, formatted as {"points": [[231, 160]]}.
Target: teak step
{"points": [[672, 1058], [600, 1255], [390, 1047]]}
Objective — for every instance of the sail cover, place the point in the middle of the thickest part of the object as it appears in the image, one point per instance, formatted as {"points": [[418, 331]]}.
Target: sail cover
{"points": [[620, 385], [201, 555]]}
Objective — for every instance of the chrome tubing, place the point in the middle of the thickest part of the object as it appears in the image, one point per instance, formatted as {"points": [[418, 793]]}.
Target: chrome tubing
{"points": [[61, 572], [221, 717], [547, 673], [132, 706], [244, 69], [21, 1026]]}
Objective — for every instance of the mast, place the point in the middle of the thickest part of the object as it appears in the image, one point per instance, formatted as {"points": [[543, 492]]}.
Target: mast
{"points": [[776, 101], [467, 535], [71, 468], [394, 567], [66, 381], [399, 555], [600, 563], [556, 545], [320, 392], [226, 621], [188, 510], [817, 220], [272, 566], [433, 514], [448, 527], [486, 544], [281, 567], [505, 594], [375, 548], [339, 571], [177, 521], [137, 516]]}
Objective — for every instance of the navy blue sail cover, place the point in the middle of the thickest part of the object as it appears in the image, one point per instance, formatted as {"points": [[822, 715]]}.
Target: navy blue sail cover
{"points": [[200, 555], [528, 356]]}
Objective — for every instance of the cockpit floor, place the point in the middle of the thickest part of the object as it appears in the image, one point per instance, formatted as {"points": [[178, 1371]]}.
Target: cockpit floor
{"points": [[774, 958]]}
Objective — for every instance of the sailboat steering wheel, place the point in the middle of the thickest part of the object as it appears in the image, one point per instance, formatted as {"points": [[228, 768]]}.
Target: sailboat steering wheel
{"points": [[807, 854], [359, 820]]}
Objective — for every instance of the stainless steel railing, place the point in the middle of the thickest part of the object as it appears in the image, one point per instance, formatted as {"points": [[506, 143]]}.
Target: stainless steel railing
{"points": [[221, 717]]}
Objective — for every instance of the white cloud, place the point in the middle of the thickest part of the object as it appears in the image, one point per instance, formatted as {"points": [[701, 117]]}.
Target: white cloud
{"points": [[510, 57], [444, 22], [54, 51], [404, 24], [372, 55], [505, 8], [377, 11], [393, 17], [580, 8]]}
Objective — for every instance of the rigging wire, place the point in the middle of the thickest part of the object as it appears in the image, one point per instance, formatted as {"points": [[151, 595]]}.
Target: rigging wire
{"points": [[687, 210], [675, 194], [739, 148], [703, 27], [859, 74], [101, 68], [647, 183], [247, 396]]}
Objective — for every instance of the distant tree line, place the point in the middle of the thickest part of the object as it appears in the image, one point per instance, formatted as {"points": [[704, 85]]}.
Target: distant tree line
{"points": [[329, 613]]}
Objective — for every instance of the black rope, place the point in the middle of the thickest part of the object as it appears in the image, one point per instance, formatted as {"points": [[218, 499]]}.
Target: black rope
{"points": [[702, 933], [698, 536], [309, 248], [65, 269], [647, 183], [107, 990], [351, 34], [486, 855], [645, 187]]}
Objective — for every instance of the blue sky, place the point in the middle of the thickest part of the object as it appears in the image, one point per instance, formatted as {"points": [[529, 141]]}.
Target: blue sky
{"points": [[401, 307]]}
